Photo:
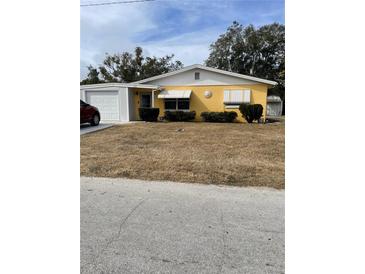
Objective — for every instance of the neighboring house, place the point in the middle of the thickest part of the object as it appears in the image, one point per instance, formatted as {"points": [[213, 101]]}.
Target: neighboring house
{"points": [[274, 105], [195, 87]]}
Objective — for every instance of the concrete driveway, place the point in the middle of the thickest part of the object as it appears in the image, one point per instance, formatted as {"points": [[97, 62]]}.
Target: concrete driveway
{"points": [[86, 128], [132, 226]]}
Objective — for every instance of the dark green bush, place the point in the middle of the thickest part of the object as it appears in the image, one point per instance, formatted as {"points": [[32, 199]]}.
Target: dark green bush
{"points": [[149, 114], [219, 117], [179, 116], [251, 112]]}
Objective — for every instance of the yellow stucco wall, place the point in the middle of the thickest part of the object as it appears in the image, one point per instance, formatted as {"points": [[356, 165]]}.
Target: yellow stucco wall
{"points": [[137, 92], [199, 103]]}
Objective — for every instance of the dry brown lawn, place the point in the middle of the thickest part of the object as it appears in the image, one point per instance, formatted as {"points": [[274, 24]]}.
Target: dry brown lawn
{"points": [[229, 154]]}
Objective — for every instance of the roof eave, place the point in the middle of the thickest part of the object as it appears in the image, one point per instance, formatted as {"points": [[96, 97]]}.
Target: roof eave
{"points": [[233, 74], [119, 85]]}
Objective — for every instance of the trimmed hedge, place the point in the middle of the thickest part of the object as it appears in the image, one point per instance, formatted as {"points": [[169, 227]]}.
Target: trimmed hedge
{"points": [[149, 114], [251, 112], [179, 116], [219, 117]]}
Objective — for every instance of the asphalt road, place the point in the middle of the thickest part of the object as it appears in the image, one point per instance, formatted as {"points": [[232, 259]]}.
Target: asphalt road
{"points": [[132, 226]]}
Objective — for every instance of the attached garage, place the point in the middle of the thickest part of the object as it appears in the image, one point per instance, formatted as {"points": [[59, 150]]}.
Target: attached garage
{"points": [[114, 100]]}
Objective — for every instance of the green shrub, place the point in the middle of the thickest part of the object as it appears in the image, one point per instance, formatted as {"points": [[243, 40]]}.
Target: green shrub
{"points": [[219, 117], [251, 112], [149, 114], [179, 116]]}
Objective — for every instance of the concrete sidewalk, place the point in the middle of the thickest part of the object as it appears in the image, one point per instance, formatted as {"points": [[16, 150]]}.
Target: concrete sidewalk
{"points": [[133, 226]]}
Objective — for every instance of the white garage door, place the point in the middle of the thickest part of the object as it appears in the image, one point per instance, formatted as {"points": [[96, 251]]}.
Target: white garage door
{"points": [[107, 102]]}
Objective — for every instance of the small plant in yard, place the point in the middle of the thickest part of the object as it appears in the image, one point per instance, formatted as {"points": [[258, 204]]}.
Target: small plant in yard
{"points": [[219, 117], [251, 112], [179, 116], [149, 114]]}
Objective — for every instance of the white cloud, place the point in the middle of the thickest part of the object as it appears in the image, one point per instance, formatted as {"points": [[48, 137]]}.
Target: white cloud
{"points": [[110, 29], [189, 48]]}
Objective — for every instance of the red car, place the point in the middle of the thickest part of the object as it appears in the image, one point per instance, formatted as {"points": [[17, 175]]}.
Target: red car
{"points": [[89, 114]]}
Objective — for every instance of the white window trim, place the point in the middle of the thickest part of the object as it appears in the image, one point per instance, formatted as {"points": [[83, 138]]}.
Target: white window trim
{"points": [[228, 106], [185, 110]]}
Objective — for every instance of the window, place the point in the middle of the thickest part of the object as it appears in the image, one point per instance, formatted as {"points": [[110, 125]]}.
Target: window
{"points": [[170, 104], [177, 104], [197, 75], [233, 98], [183, 104]]}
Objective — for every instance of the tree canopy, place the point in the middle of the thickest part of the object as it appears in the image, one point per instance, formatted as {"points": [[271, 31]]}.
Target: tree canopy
{"points": [[92, 77], [252, 51], [126, 67]]}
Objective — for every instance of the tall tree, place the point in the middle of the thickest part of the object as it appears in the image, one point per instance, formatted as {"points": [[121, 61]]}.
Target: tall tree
{"points": [[253, 51], [92, 77], [126, 67]]}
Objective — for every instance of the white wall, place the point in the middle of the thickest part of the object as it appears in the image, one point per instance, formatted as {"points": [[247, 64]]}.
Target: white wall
{"points": [[187, 78], [82, 95], [131, 105], [124, 104]]}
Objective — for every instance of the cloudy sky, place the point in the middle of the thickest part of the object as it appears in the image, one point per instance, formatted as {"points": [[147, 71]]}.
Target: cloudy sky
{"points": [[185, 28]]}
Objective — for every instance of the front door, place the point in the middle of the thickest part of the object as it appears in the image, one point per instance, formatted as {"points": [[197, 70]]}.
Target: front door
{"points": [[145, 100]]}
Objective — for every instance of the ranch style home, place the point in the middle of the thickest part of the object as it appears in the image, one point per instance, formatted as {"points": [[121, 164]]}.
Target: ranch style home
{"points": [[194, 88]]}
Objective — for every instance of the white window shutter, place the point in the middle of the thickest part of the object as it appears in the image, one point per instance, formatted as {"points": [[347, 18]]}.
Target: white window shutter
{"points": [[247, 96], [226, 98], [236, 96]]}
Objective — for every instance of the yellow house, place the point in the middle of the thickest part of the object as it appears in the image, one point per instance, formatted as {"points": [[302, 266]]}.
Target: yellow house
{"points": [[194, 88], [202, 88]]}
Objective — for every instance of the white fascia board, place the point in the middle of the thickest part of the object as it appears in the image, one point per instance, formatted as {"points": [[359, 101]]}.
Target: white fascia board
{"points": [[118, 85], [197, 66], [166, 74]]}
